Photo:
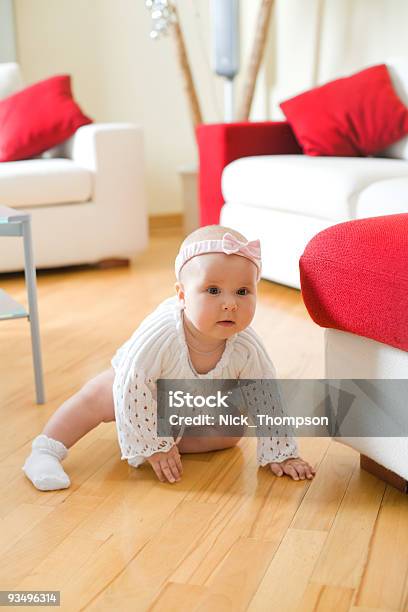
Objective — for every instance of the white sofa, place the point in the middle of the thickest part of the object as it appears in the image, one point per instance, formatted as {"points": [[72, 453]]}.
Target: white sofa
{"points": [[285, 199], [86, 198]]}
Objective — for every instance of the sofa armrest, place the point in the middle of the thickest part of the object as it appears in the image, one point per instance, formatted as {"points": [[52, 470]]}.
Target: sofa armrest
{"points": [[113, 152], [98, 143], [220, 144]]}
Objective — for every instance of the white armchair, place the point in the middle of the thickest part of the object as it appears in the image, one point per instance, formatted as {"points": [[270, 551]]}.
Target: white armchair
{"points": [[87, 205]]}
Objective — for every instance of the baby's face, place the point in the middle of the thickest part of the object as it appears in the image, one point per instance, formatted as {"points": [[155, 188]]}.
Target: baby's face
{"points": [[219, 293]]}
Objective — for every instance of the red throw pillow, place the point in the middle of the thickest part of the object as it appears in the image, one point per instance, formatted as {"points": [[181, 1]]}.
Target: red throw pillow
{"points": [[38, 118], [352, 116]]}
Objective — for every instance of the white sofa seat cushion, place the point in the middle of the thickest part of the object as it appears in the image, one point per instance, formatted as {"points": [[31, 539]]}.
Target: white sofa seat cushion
{"points": [[40, 182], [324, 187]]}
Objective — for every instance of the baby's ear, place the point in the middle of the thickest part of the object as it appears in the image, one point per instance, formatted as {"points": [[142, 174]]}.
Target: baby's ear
{"points": [[179, 290]]}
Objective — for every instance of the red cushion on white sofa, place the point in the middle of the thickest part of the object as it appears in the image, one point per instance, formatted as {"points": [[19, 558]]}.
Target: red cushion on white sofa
{"points": [[354, 277], [37, 118], [351, 116]]}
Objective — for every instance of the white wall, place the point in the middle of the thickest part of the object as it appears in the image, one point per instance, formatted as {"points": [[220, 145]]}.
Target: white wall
{"points": [[313, 41], [120, 74], [7, 43]]}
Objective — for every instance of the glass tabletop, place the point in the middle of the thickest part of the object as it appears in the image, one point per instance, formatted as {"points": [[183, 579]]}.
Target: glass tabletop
{"points": [[10, 215], [9, 308]]}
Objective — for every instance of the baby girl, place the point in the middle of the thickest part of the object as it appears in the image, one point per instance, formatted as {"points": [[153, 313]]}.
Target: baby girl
{"points": [[202, 332]]}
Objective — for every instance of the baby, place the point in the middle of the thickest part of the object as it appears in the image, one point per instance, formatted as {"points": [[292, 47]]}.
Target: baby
{"points": [[202, 332]]}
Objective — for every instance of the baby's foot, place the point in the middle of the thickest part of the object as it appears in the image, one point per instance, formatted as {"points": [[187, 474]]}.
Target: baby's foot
{"points": [[297, 468], [43, 465]]}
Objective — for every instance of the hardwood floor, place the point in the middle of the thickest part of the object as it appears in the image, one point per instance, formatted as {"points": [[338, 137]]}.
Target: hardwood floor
{"points": [[228, 537]]}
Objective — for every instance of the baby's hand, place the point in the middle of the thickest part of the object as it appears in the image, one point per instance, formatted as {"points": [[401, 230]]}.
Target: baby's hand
{"points": [[167, 466], [296, 468]]}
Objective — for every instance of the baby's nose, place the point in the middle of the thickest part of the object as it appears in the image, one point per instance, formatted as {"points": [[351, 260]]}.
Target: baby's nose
{"points": [[230, 305]]}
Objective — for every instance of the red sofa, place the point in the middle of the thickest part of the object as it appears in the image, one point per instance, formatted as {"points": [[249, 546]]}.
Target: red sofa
{"points": [[220, 144]]}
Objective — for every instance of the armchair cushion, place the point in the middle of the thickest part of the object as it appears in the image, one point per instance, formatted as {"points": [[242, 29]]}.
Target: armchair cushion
{"points": [[38, 118], [353, 116], [44, 182], [323, 187]]}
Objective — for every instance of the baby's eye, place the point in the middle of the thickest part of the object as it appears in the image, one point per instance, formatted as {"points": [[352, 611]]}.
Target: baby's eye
{"points": [[243, 291], [213, 290]]}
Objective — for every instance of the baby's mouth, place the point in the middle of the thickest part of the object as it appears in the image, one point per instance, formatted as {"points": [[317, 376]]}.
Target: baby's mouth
{"points": [[226, 323]]}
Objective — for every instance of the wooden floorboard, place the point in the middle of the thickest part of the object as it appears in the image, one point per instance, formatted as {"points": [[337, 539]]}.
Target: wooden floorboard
{"points": [[228, 536]]}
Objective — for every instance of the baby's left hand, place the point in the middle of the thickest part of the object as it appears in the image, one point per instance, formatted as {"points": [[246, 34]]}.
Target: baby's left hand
{"points": [[295, 468]]}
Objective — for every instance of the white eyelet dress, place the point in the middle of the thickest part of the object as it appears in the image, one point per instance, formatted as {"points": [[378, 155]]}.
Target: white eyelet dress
{"points": [[158, 349]]}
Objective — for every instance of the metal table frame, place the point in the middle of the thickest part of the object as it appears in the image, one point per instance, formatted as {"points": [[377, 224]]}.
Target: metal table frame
{"points": [[18, 223]]}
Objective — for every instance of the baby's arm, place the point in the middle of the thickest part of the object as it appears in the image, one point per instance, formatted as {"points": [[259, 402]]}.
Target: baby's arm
{"points": [[297, 468], [136, 418], [167, 466], [278, 451]]}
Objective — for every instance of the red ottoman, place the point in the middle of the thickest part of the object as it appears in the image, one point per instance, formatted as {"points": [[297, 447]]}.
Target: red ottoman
{"points": [[354, 277]]}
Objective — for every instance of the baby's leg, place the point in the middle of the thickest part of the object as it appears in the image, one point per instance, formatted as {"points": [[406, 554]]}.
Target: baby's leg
{"points": [[215, 440], [81, 413], [195, 444], [84, 411]]}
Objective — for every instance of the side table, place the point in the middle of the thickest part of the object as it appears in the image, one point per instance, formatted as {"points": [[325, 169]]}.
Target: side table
{"points": [[18, 223]]}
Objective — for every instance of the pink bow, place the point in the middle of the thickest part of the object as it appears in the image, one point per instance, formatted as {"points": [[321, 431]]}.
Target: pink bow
{"points": [[231, 245]]}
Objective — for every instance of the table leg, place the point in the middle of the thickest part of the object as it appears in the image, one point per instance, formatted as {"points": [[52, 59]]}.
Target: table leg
{"points": [[30, 278]]}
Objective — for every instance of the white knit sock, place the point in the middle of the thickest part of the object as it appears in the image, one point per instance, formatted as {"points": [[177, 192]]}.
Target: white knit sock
{"points": [[43, 466]]}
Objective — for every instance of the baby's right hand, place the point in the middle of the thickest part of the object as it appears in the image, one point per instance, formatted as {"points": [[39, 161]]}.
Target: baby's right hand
{"points": [[167, 466]]}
